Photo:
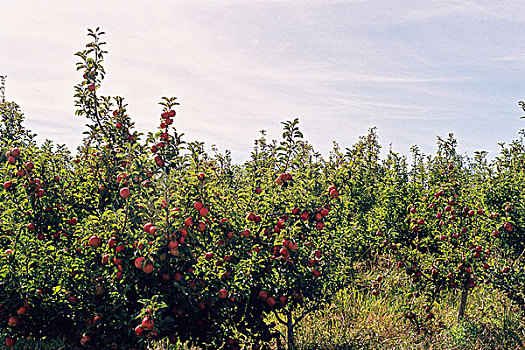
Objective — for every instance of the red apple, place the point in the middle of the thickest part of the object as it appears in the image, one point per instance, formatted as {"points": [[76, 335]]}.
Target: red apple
{"points": [[334, 193], [263, 295], [223, 294], [271, 301], [73, 300], [10, 342], [85, 339], [139, 262], [112, 242], [13, 321], [201, 226], [148, 268], [124, 192], [94, 241]]}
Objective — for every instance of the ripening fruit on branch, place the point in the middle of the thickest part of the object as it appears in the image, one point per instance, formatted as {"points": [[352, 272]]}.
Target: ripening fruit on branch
{"points": [[148, 268], [10, 342], [85, 339], [223, 294], [271, 301], [13, 321], [124, 192], [263, 295], [304, 216], [73, 300], [147, 323], [121, 177], [94, 241], [139, 262]]}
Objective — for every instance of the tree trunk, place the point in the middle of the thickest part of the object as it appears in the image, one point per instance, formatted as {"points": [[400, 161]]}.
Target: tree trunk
{"points": [[463, 301], [289, 334]]}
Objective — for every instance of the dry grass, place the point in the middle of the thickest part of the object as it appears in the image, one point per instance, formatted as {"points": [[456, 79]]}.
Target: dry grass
{"points": [[359, 320]]}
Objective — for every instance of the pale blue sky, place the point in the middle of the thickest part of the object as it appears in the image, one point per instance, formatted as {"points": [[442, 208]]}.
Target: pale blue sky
{"points": [[415, 69]]}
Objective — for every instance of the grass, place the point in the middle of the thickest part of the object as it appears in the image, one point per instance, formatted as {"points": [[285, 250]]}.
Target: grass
{"points": [[359, 320]]}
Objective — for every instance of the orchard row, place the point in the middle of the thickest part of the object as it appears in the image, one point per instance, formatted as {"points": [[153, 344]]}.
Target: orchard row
{"points": [[137, 238]]}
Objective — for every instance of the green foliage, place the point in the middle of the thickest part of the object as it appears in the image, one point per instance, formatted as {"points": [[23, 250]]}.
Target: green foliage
{"points": [[129, 242]]}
